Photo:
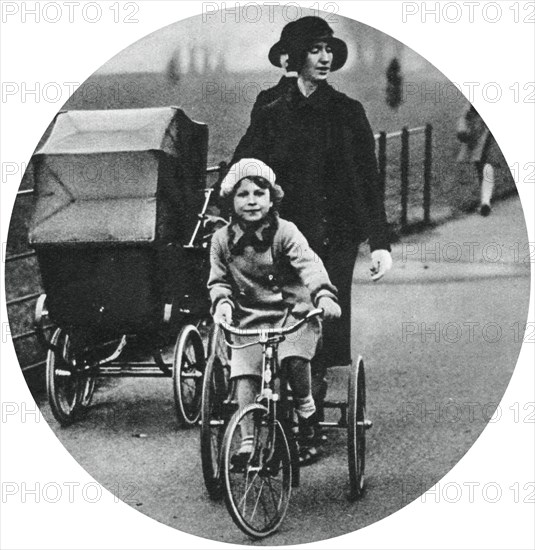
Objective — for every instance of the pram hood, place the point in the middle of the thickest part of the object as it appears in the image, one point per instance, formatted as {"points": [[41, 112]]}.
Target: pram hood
{"points": [[118, 176], [113, 131]]}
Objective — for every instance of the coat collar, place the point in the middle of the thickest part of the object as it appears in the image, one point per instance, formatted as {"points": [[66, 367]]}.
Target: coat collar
{"points": [[318, 100], [260, 236]]}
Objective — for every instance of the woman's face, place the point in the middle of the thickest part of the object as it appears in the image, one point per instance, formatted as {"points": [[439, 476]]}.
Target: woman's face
{"points": [[317, 62], [251, 202]]}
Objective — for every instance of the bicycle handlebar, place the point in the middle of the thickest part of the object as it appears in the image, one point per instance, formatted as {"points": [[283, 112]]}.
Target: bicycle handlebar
{"points": [[280, 331]]}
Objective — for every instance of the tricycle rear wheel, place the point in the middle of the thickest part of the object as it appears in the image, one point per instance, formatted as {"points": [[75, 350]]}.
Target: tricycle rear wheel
{"points": [[188, 368], [356, 429], [216, 412]]}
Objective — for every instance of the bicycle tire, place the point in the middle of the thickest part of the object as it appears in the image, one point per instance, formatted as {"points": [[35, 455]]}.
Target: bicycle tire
{"points": [[356, 429], [188, 368], [269, 465], [214, 418]]}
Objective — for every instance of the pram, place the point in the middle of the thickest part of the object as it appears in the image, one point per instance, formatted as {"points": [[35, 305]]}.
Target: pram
{"points": [[122, 241]]}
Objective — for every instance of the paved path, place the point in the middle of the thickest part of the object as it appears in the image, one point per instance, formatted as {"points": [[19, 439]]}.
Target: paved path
{"points": [[440, 340]]}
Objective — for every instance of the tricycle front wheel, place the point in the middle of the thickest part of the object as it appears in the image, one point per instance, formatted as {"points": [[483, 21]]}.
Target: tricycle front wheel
{"points": [[257, 487]]}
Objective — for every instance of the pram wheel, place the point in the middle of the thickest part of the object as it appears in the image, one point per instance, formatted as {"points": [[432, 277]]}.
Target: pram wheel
{"points": [[89, 382], [64, 382], [188, 369]]}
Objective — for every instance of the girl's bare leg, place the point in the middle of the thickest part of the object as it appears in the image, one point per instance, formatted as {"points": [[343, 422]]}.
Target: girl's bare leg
{"points": [[301, 384], [247, 388]]}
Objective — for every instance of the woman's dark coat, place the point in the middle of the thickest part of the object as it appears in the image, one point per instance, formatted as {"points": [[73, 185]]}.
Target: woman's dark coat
{"points": [[265, 97], [322, 150]]}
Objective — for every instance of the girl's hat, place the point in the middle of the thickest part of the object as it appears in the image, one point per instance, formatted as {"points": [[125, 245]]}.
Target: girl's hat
{"points": [[247, 168], [297, 36]]}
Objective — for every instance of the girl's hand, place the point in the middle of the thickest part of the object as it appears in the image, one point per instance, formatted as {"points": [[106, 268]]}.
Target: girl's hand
{"points": [[331, 310], [223, 313]]}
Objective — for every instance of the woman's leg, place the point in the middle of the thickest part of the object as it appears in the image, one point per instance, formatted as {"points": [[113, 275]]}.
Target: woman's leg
{"points": [[336, 336]]}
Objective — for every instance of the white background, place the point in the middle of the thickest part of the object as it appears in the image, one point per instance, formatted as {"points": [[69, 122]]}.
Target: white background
{"points": [[478, 51]]}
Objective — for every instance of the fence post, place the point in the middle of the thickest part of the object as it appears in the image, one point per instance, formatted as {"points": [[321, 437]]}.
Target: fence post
{"points": [[382, 162], [427, 172], [404, 176]]}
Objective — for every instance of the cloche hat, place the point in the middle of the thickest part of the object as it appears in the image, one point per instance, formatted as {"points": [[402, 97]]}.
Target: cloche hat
{"points": [[246, 168], [298, 35]]}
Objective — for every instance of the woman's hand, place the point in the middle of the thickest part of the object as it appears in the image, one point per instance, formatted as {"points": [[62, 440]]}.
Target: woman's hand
{"points": [[331, 310], [223, 313], [381, 263]]}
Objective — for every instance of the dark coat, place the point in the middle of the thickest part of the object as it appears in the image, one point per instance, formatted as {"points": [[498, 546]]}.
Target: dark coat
{"points": [[265, 97], [478, 144], [322, 150]]}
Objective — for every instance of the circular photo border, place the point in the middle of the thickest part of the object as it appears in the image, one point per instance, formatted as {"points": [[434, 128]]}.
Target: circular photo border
{"points": [[501, 455]]}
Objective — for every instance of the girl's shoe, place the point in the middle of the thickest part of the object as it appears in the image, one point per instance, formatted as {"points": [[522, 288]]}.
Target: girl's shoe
{"points": [[239, 462], [308, 452], [308, 455], [484, 210]]}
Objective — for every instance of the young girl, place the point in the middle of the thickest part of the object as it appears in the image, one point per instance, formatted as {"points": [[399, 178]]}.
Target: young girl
{"points": [[263, 273]]}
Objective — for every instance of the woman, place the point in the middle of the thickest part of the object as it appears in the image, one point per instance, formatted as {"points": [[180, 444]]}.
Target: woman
{"points": [[320, 144]]}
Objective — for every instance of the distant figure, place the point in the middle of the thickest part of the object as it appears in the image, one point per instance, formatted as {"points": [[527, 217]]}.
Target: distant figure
{"points": [[394, 84], [479, 147]]}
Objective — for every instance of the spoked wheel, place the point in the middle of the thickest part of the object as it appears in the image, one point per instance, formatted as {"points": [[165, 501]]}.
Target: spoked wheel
{"points": [[188, 369], [89, 382], [257, 493], [63, 382], [215, 413], [356, 429]]}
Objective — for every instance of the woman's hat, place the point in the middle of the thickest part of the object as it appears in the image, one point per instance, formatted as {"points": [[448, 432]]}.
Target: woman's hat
{"points": [[247, 168], [298, 35]]}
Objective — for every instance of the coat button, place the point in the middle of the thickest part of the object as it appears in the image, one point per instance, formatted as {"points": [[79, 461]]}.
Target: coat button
{"points": [[270, 277], [326, 241]]}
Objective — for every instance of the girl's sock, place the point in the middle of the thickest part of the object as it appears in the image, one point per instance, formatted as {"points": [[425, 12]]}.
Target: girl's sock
{"points": [[304, 406], [246, 446]]}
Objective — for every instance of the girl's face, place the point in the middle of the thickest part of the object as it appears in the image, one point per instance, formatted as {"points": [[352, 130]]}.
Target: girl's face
{"points": [[251, 202], [317, 63]]}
